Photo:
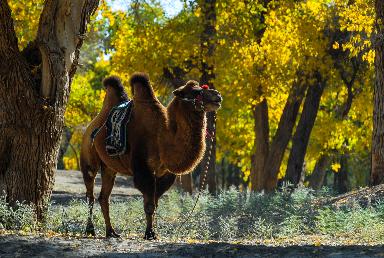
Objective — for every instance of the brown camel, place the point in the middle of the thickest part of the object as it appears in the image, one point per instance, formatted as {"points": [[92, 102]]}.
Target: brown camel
{"points": [[162, 143]]}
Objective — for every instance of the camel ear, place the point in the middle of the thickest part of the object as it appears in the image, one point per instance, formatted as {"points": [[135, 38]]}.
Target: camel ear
{"points": [[178, 93]]}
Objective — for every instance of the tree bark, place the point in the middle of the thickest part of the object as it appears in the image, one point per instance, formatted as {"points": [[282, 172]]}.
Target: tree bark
{"points": [[208, 46], [261, 123], [261, 143], [185, 182], [316, 179], [283, 135], [303, 131], [33, 97], [340, 179], [377, 172], [64, 144]]}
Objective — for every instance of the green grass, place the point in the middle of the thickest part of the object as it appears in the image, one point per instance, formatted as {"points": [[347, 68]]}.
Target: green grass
{"points": [[229, 216]]}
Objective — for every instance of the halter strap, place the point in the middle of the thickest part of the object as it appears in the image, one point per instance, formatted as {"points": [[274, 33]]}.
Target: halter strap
{"points": [[197, 100]]}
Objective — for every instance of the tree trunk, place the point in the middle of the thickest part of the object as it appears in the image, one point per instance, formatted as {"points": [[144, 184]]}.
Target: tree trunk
{"points": [[33, 97], [316, 179], [261, 122], [340, 179], [208, 45], [283, 135], [261, 143], [65, 139], [185, 183], [303, 131], [377, 172]]}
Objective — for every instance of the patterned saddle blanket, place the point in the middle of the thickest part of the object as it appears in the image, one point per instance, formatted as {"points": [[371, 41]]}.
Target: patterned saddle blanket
{"points": [[116, 125]]}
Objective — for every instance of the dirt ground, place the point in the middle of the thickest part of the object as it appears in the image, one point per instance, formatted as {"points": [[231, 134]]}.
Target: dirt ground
{"points": [[17, 246], [69, 185]]}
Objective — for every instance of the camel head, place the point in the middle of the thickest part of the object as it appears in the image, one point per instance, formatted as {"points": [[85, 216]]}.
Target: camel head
{"points": [[202, 98]]}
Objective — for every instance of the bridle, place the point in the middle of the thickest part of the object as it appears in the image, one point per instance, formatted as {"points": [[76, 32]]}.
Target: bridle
{"points": [[197, 101]]}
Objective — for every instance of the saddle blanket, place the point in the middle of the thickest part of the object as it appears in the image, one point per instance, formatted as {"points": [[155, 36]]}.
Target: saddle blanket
{"points": [[116, 125]]}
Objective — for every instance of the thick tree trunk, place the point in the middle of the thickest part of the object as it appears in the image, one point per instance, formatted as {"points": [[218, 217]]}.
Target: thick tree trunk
{"points": [[261, 122], [340, 179], [283, 135], [303, 131], [316, 179], [208, 45], [32, 104], [377, 172], [261, 143]]}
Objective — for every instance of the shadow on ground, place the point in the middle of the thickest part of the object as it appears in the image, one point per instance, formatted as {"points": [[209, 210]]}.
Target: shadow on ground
{"points": [[16, 246]]}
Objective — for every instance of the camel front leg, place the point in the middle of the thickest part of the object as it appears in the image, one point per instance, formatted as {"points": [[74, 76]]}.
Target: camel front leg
{"points": [[145, 182], [149, 208], [163, 184], [107, 182]]}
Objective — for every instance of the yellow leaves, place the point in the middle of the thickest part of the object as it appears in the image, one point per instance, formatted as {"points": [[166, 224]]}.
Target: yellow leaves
{"points": [[70, 163], [336, 45], [336, 167], [26, 16]]}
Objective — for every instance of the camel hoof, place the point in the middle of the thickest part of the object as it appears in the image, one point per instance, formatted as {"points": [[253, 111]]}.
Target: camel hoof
{"points": [[90, 229], [112, 234], [150, 235]]}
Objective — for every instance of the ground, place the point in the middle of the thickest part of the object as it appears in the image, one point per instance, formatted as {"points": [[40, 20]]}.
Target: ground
{"points": [[28, 246], [69, 185]]}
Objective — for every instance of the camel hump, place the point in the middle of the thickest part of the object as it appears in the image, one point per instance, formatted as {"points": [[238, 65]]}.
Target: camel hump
{"points": [[140, 80]]}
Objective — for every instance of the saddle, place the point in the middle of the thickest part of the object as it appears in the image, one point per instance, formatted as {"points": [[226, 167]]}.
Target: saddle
{"points": [[116, 125]]}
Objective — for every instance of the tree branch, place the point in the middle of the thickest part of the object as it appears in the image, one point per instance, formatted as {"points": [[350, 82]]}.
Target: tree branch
{"points": [[8, 39], [61, 31]]}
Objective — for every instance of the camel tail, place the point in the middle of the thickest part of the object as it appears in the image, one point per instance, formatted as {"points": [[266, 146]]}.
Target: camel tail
{"points": [[141, 79]]}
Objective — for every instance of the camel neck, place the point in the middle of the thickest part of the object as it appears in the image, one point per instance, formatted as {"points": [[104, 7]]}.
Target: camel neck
{"points": [[108, 103], [185, 137]]}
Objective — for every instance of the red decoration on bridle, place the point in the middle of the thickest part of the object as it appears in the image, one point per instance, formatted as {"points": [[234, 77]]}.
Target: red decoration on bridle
{"points": [[205, 87]]}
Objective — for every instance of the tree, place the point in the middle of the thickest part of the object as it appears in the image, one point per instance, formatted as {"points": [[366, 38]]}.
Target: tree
{"points": [[35, 85], [377, 173], [302, 134], [207, 69]]}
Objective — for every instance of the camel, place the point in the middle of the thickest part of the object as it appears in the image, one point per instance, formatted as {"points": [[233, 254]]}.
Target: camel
{"points": [[163, 142]]}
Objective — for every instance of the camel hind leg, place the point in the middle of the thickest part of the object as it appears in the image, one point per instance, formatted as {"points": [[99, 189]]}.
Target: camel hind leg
{"points": [[89, 175]]}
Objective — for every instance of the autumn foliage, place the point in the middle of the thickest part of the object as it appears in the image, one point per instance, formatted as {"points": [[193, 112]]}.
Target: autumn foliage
{"points": [[269, 57]]}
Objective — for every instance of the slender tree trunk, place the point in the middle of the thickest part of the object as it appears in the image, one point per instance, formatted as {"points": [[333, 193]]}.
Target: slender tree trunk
{"points": [[208, 45], [377, 172], [316, 179], [261, 143], [283, 135], [303, 131], [32, 104], [65, 139], [340, 179], [185, 183]]}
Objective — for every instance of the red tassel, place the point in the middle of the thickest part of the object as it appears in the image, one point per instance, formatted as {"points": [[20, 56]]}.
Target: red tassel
{"points": [[205, 87]]}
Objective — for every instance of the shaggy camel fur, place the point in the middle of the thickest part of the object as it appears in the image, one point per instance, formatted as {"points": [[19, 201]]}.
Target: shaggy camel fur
{"points": [[162, 143]]}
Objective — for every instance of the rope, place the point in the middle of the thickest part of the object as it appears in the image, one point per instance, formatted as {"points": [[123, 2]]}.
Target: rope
{"points": [[204, 174]]}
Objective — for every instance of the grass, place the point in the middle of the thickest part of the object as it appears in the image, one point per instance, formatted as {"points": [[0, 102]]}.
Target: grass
{"points": [[229, 216]]}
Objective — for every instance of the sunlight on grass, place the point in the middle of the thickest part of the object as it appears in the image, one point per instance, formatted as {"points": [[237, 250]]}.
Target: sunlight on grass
{"points": [[230, 216]]}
